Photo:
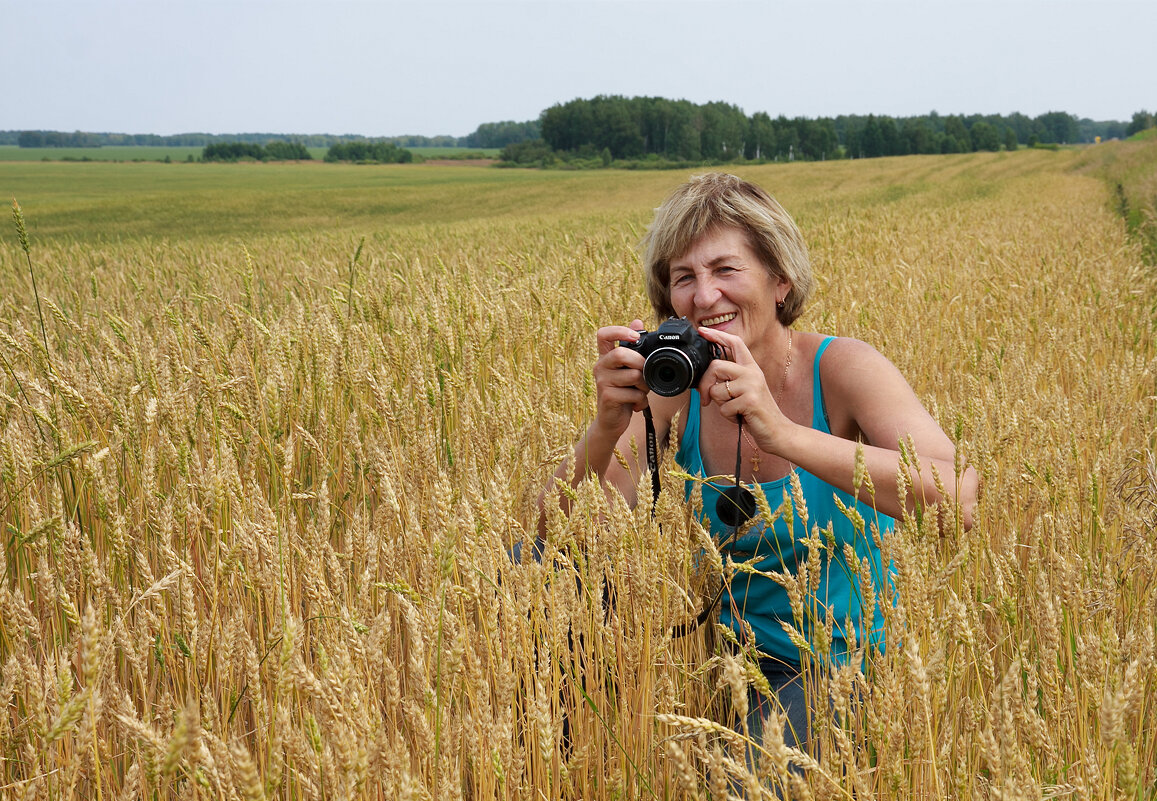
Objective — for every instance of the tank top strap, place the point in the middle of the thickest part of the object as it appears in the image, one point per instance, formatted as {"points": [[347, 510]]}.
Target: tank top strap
{"points": [[819, 410]]}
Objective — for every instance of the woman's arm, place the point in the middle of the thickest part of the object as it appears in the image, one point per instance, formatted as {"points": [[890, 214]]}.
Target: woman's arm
{"points": [[869, 400], [871, 407], [621, 396], [594, 457]]}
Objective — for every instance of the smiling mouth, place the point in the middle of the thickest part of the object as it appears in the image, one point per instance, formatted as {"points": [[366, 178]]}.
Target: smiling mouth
{"points": [[722, 318]]}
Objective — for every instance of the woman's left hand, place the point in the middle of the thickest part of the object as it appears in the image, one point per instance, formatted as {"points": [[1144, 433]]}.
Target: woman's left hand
{"points": [[738, 386]]}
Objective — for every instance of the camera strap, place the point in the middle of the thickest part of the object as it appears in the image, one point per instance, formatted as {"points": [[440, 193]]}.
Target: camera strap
{"points": [[652, 457], [682, 629]]}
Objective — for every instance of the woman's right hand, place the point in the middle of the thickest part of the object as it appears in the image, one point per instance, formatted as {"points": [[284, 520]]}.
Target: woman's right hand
{"points": [[621, 390]]}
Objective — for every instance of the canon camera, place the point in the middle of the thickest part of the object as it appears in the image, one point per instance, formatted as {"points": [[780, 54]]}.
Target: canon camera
{"points": [[677, 356]]}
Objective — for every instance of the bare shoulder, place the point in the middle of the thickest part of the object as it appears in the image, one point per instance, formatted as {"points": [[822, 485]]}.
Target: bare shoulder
{"points": [[868, 395], [847, 360], [848, 349]]}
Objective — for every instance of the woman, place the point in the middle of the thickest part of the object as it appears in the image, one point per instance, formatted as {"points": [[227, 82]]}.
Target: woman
{"points": [[723, 254]]}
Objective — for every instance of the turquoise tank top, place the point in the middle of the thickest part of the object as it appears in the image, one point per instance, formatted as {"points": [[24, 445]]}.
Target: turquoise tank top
{"points": [[759, 601]]}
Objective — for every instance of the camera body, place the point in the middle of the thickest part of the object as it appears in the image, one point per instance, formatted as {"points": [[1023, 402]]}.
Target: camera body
{"points": [[676, 356]]}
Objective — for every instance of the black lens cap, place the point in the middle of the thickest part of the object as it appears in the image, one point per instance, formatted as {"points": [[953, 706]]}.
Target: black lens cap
{"points": [[735, 505]]}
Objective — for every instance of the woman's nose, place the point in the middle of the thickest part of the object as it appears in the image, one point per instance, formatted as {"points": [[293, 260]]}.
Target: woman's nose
{"points": [[706, 292]]}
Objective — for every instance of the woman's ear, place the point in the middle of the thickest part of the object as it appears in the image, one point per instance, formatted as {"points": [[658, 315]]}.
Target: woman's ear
{"points": [[783, 287]]}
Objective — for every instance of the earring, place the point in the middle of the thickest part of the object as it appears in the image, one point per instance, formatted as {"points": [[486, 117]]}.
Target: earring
{"points": [[779, 305]]}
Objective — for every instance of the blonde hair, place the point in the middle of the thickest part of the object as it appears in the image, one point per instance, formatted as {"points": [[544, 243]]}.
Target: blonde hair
{"points": [[719, 200]]}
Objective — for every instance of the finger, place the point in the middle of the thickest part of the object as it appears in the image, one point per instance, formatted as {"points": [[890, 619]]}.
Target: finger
{"points": [[621, 367], [735, 348], [618, 359], [633, 397], [610, 336], [720, 370], [623, 395], [716, 392]]}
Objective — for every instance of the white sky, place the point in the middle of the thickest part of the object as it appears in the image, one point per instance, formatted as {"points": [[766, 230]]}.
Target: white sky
{"points": [[388, 68]]}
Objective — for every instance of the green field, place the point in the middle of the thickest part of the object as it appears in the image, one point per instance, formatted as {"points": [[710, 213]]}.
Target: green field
{"points": [[112, 153], [98, 201], [101, 202]]}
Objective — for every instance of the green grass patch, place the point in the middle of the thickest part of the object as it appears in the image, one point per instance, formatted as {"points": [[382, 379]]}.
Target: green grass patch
{"points": [[101, 201], [111, 153]]}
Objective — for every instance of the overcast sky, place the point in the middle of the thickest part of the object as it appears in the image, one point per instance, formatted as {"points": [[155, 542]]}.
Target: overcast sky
{"points": [[388, 68]]}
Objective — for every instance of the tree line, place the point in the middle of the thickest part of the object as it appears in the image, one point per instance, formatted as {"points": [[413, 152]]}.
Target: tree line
{"points": [[90, 139], [651, 130], [271, 151], [486, 135], [606, 128], [54, 139], [379, 151]]}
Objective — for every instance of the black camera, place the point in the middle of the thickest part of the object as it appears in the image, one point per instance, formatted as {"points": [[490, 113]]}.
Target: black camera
{"points": [[677, 356]]}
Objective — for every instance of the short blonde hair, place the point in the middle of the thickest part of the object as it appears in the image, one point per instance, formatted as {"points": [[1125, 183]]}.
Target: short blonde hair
{"points": [[719, 200]]}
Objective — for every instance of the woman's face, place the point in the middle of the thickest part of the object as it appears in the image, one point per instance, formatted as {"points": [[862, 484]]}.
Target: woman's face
{"points": [[721, 283]]}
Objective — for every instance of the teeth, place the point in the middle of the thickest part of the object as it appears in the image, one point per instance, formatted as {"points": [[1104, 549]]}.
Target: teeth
{"points": [[717, 320]]}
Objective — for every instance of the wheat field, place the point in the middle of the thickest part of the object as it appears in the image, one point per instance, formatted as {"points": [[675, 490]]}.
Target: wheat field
{"points": [[259, 490]]}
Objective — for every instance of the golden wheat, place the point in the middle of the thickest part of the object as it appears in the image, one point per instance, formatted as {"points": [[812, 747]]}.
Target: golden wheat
{"points": [[257, 510]]}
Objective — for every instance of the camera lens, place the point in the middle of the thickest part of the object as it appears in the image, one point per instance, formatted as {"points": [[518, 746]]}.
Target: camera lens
{"points": [[668, 372]]}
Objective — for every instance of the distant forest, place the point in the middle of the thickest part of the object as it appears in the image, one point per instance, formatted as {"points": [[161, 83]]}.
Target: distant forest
{"points": [[657, 131], [641, 129], [488, 135]]}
